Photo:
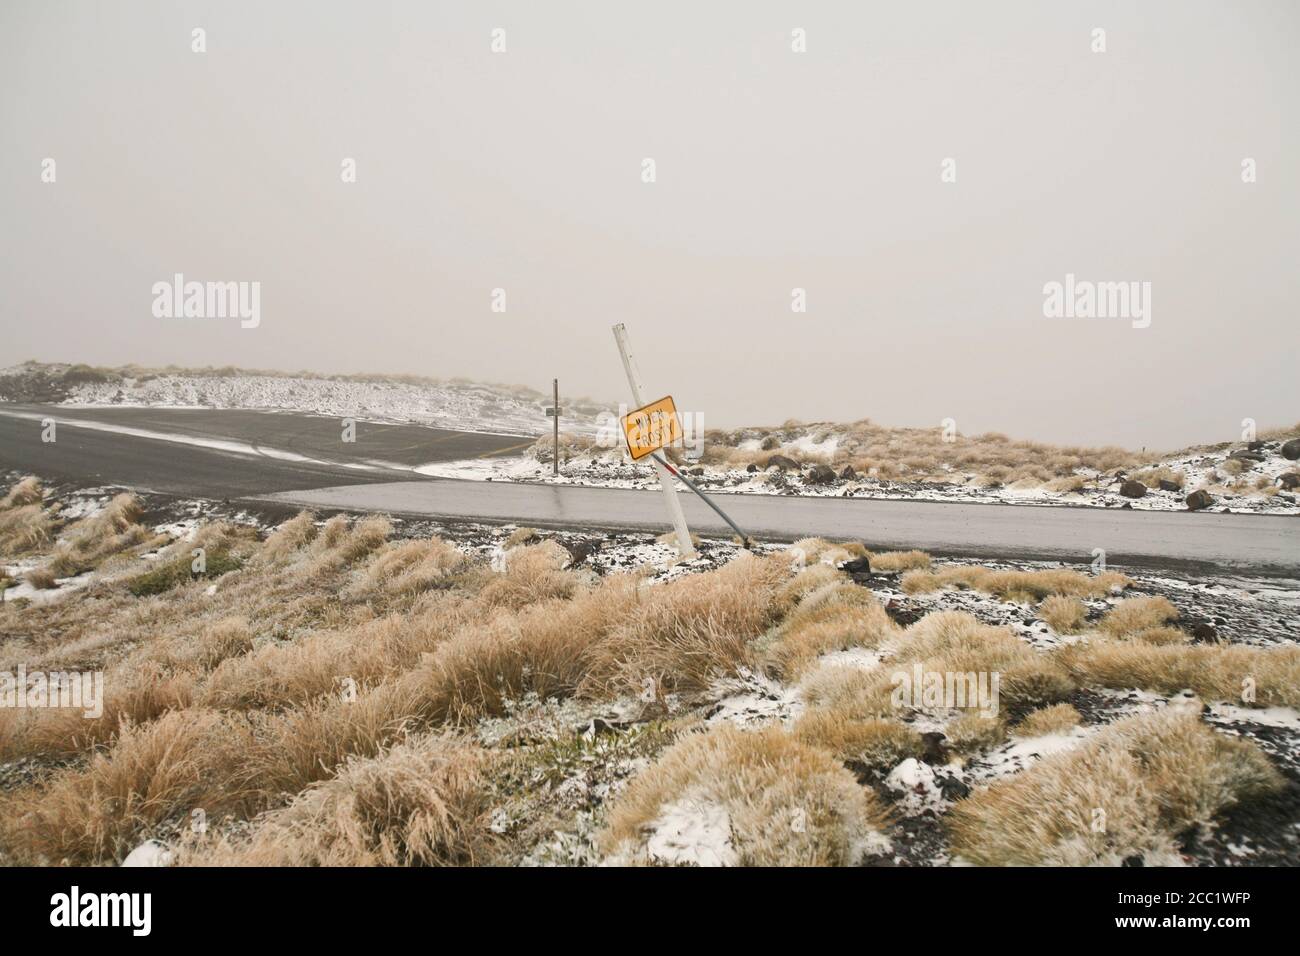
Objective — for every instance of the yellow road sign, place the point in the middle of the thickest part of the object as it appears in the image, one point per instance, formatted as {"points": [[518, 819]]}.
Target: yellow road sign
{"points": [[652, 427]]}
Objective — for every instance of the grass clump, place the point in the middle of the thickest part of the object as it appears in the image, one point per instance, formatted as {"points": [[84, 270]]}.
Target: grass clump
{"points": [[180, 571], [1057, 719], [1066, 615], [422, 802], [770, 799], [1126, 793]]}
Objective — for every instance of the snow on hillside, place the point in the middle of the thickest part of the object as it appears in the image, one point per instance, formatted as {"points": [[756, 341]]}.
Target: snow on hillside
{"points": [[465, 406]]}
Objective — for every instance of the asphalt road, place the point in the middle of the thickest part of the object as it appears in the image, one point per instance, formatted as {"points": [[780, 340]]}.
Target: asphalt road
{"points": [[341, 480], [95, 456], [1263, 544]]}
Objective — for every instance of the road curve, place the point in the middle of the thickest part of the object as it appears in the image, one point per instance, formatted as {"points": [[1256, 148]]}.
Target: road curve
{"points": [[300, 460], [1263, 544]]}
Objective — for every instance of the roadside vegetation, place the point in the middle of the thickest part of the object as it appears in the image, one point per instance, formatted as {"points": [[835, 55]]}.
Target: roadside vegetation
{"points": [[328, 693]]}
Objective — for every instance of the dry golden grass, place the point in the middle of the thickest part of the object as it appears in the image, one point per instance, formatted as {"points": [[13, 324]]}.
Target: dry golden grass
{"points": [[837, 616], [1066, 615], [1056, 719], [682, 635], [970, 732], [918, 454], [806, 581], [27, 491], [1138, 614], [944, 642], [1150, 777], [553, 648], [153, 773], [289, 538], [533, 573], [25, 528], [872, 744], [1021, 586], [1161, 635], [1212, 671], [42, 579], [892, 561], [785, 803], [521, 536], [92, 539], [422, 802]]}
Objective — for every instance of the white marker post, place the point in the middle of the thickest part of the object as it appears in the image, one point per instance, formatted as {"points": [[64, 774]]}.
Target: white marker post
{"points": [[674, 506]]}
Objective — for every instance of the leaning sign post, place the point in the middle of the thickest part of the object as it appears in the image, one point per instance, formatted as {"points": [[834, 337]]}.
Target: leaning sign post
{"points": [[654, 426]]}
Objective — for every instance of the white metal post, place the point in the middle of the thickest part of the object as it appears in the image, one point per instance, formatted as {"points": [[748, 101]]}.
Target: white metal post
{"points": [[684, 545]]}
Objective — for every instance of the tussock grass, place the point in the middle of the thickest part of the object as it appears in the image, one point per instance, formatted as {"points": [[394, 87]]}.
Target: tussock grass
{"points": [[407, 569], [837, 616], [1020, 586], [944, 642], [289, 538], [1212, 671], [153, 773], [1138, 614], [684, 634], [25, 528], [970, 732], [892, 561], [533, 573], [872, 744], [1056, 719], [785, 803], [1152, 776], [422, 802], [92, 539], [1066, 615], [806, 581], [26, 491], [42, 579], [1161, 635], [552, 649]]}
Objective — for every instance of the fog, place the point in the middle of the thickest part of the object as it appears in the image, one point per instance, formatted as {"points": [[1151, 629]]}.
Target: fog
{"points": [[774, 170]]}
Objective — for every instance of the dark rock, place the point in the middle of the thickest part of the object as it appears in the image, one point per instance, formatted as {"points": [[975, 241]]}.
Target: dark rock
{"points": [[1167, 485], [848, 474], [580, 551], [1199, 499], [1291, 449], [1290, 480], [857, 566], [1255, 445], [696, 471], [902, 614], [1242, 454], [935, 751], [1204, 632], [1132, 489], [782, 462], [1134, 861], [820, 475], [751, 468]]}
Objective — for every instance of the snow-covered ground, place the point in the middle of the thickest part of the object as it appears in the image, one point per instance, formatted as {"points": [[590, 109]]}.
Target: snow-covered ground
{"points": [[1237, 477], [465, 406], [613, 468]]}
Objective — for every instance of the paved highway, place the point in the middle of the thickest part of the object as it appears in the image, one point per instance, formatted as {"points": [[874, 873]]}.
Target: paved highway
{"points": [[300, 460]]}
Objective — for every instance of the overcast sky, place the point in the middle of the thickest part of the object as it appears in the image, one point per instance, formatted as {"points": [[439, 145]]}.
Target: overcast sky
{"points": [[775, 170]]}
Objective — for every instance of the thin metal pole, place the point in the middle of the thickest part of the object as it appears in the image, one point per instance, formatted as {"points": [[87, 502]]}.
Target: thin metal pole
{"points": [[555, 463], [745, 540], [684, 546]]}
